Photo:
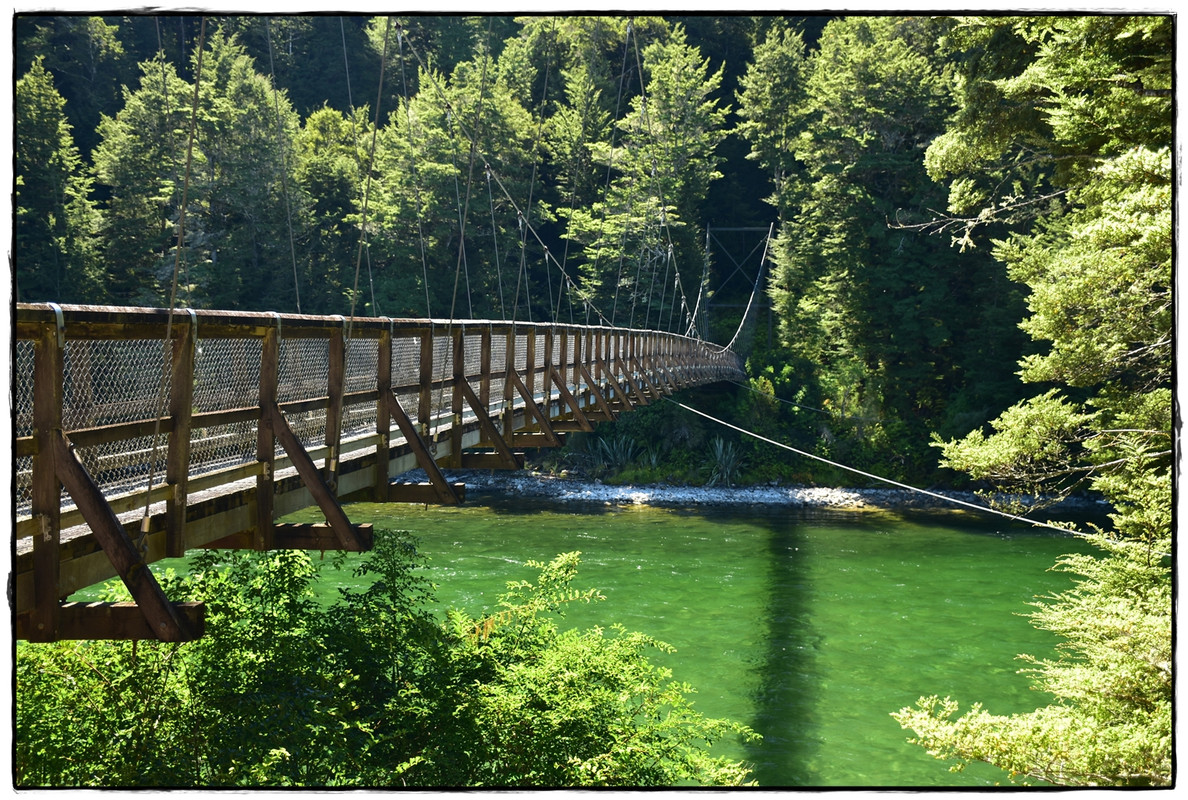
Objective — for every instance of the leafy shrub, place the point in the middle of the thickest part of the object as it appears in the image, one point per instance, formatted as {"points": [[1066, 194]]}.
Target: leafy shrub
{"points": [[373, 691]]}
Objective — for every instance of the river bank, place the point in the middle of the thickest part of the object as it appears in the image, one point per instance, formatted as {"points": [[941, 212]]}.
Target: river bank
{"points": [[530, 484]]}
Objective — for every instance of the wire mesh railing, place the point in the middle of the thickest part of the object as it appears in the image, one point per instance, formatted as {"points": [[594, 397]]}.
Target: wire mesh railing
{"points": [[122, 422]]}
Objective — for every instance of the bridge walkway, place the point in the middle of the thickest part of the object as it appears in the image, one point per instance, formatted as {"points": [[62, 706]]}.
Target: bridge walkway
{"points": [[177, 430]]}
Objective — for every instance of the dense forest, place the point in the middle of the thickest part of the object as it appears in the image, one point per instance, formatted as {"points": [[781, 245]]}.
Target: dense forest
{"points": [[969, 278]]}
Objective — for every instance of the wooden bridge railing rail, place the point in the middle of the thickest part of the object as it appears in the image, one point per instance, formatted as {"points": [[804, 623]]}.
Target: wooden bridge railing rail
{"points": [[240, 418]]}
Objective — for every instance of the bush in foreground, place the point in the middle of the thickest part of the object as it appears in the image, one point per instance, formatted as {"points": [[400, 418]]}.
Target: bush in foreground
{"points": [[373, 691]]}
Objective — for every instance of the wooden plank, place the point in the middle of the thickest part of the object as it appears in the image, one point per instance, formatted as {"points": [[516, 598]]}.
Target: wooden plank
{"points": [[423, 493], [122, 621], [164, 620]]}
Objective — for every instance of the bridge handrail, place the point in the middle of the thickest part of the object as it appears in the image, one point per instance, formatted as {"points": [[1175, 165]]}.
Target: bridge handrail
{"points": [[95, 422]]}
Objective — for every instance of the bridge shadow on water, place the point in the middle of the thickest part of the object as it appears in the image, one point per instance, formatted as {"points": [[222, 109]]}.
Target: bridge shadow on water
{"points": [[784, 698]]}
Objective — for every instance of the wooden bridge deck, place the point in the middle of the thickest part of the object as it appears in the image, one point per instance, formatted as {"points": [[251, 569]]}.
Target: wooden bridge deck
{"points": [[220, 422]]}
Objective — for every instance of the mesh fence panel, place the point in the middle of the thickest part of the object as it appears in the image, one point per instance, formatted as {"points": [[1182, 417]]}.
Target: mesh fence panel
{"points": [[22, 407], [226, 374], [108, 382]]}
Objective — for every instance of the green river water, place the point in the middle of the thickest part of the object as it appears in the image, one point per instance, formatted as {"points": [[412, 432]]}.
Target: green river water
{"points": [[809, 627]]}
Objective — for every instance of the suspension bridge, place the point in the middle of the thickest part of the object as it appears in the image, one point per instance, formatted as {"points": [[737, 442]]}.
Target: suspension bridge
{"points": [[143, 433]]}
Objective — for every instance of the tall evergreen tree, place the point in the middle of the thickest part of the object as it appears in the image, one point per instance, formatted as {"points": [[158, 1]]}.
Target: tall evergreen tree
{"points": [[55, 219], [1098, 267]]}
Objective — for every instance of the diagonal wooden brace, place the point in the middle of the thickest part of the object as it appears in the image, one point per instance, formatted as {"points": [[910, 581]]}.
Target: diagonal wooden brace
{"points": [[570, 400], [506, 458], [534, 410], [599, 400], [314, 481], [165, 620], [639, 394], [444, 489], [612, 381]]}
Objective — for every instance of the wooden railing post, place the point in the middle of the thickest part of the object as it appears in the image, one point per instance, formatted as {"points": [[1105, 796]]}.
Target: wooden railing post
{"points": [[383, 417], [509, 388], [336, 388], [530, 362], [547, 364], [48, 358], [425, 400], [458, 398], [181, 408], [484, 392], [265, 436]]}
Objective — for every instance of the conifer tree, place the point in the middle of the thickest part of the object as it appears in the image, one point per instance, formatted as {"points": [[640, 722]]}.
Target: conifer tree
{"points": [[1098, 267], [55, 220]]}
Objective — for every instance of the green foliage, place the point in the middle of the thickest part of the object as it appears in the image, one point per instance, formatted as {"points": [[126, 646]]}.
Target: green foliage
{"points": [[55, 221], [373, 689], [1098, 267], [1111, 722], [726, 462], [894, 339]]}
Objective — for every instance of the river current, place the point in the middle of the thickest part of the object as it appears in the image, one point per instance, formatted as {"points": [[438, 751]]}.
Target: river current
{"points": [[809, 626]]}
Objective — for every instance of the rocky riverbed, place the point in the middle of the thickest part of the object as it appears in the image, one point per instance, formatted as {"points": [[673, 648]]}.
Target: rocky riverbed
{"points": [[537, 485]]}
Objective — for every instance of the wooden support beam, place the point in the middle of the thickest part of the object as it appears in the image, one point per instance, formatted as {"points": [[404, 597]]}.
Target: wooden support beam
{"points": [[445, 492], [571, 401], [177, 462], [112, 621], [596, 393], [557, 439], [493, 437], [534, 411], [348, 537], [424, 493], [640, 397], [492, 461], [319, 536], [163, 618]]}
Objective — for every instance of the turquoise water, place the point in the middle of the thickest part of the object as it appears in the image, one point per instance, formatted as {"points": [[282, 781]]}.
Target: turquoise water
{"points": [[810, 628]]}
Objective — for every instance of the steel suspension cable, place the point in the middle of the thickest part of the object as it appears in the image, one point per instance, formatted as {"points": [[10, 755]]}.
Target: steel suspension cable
{"points": [[412, 156], [177, 261], [754, 289], [507, 194], [872, 476], [655, 171], [280, 143], [370, 168], [346, 64]]}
